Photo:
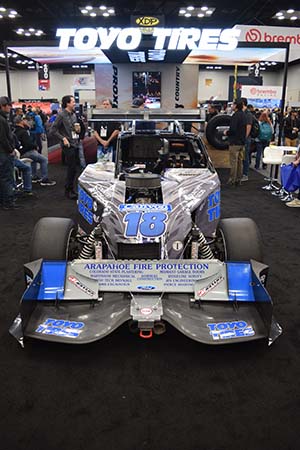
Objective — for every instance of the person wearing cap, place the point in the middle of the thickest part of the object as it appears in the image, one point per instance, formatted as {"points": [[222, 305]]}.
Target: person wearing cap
{"points": [[28, 150], [6, 157], [106, 133]]}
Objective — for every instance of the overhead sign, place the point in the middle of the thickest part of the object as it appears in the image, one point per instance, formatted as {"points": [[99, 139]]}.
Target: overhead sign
{"points": [[256, 34], [44, 77], [267, 92], [165, 38], [147, 24]]}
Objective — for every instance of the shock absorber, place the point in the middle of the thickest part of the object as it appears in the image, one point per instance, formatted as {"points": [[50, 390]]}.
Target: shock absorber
{"points": [[199, 246], [93, 245], [89, 247]]}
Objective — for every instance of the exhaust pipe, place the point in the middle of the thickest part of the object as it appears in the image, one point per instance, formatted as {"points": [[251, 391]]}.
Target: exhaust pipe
{"points": [[159, 327]]}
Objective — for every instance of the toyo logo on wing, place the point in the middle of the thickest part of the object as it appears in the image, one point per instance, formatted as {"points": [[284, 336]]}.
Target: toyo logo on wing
{"points": [[146, 287]]}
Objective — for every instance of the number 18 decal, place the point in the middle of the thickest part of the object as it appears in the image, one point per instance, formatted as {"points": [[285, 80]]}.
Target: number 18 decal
{"points": [[147, 224]]}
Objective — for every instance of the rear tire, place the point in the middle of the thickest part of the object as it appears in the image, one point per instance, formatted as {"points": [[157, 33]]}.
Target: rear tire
{"points": [[51, 237], [216, 138], [241, 239]]}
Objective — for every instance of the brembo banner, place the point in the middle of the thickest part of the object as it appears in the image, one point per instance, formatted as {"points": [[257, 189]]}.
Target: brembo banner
{"points": [[262, 92], [256, 34]]}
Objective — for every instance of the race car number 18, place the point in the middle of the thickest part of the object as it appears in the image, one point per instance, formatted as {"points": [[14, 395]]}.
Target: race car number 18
{"points": [[148, 224]]}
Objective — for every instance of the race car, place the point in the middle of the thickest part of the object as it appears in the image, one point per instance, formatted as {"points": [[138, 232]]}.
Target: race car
{"points": [[149, 249]]}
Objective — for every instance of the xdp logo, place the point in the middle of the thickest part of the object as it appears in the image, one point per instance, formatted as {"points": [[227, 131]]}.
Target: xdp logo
{"points": [[253, 35], [147, 21]]}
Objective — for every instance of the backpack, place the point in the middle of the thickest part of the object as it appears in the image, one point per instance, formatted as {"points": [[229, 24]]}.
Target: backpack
{"points": [[265, 131], [255, 128]]}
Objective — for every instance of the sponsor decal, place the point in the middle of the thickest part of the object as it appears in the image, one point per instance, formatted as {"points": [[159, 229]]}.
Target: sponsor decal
{"points": [[81, 286], [164, 38], [146, 288], [147, 207], [144, 220], [85, 205], [62, 328], [115, 86], [146, 266], [210, 287], [214, 209], [146, 311], [230, 330]]}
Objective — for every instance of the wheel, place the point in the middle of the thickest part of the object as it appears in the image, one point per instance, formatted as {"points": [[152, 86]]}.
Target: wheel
{"points": [[241, 239], [51, 237], [215, 131]]}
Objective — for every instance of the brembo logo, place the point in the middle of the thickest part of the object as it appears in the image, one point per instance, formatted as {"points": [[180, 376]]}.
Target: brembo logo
{"points": [[253, 35], [147, 21]]}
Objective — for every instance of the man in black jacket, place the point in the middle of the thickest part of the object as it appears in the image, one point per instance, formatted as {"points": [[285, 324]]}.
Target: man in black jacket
{"points": [[64, 129], [236, 138], [28, 150], [6, 157]]}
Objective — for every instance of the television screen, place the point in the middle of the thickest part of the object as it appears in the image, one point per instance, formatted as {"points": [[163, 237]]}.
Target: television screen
{"points": [[146, 89]]}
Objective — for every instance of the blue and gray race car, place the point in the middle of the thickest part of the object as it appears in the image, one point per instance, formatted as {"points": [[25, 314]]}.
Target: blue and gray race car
{"points": [[149, 249]]}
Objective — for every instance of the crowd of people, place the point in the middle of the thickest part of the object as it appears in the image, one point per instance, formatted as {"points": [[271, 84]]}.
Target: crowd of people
{"points": [[22, 133]]}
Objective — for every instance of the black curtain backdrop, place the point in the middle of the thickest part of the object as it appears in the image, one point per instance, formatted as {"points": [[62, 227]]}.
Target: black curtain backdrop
{"points": [[166, 393]]}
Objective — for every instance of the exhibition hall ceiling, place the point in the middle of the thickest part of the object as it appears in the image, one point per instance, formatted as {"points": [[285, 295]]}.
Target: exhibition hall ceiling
{"points": [[34, 23]]}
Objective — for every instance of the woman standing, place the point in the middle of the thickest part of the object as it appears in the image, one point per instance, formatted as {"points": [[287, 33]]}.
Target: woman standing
{"points": [[264, 137]]}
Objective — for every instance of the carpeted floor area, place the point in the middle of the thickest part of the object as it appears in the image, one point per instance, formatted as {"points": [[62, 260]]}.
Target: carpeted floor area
{"points": [[168, 393]]}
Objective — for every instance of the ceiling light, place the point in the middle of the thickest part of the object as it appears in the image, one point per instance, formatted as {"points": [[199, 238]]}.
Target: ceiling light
{"points": [[93, 14], [105, 14], [274, 63], [192, 11], [84, 11], [102, 7], [29, 32], [111, 11], [89, 8], [286, 14], [8, 13]]}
